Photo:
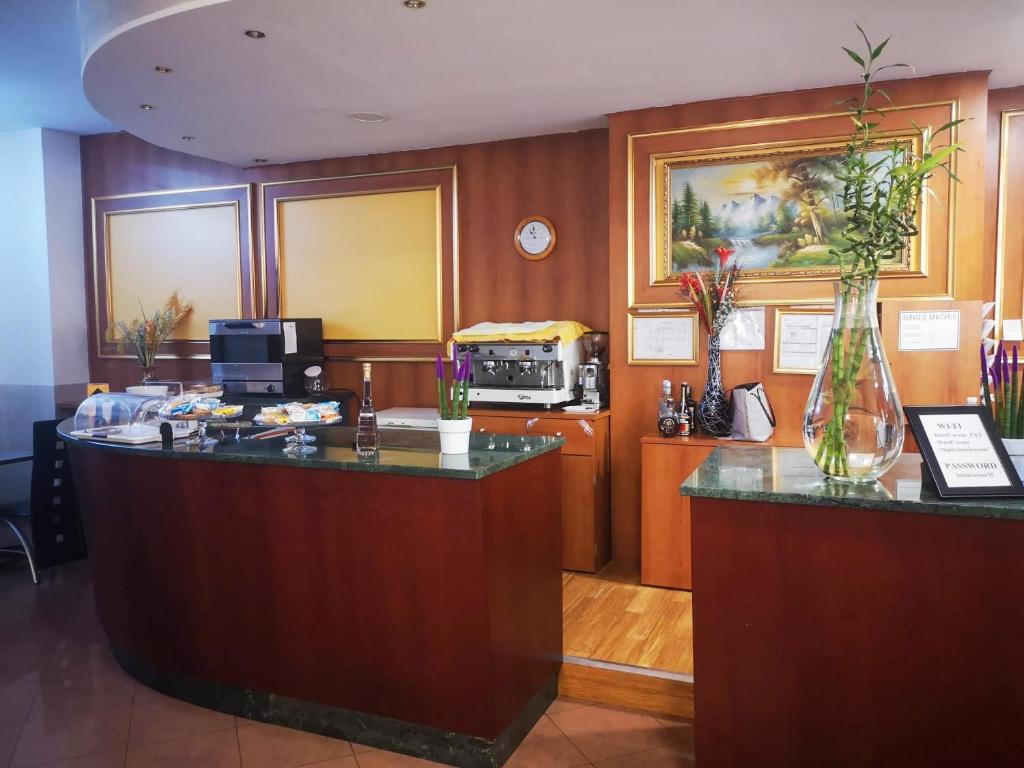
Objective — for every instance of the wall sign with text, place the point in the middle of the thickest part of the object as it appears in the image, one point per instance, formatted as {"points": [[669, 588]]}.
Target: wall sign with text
{"points": [[930, 330], [963, 451]]}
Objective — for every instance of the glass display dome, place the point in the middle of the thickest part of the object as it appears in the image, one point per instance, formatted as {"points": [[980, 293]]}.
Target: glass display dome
{"points": [[121, 417], [118, 409]]}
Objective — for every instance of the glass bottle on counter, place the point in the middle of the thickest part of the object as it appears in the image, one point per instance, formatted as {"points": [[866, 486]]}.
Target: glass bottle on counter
{"points": [[367, 441], [668, 421], [685, 423], [690, 406]]}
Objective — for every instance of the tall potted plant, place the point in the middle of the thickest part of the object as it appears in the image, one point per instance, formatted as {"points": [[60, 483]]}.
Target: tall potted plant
{"points": [[853, 423]]}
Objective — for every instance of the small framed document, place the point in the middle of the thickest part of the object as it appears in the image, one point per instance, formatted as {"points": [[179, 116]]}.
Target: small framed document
{"points": [[801, 338], [930, 330], [743, 330], [664, 338], [963, 452]]}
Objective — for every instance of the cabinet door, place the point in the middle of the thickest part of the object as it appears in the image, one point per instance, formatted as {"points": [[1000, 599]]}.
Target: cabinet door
{"points": [[578, 542], [665, 515], [578, 433]]}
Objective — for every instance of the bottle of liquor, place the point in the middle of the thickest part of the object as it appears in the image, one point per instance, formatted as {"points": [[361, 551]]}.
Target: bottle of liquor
{"points": [[685, 425], [366, 425], [668, 421], [690, 406]]}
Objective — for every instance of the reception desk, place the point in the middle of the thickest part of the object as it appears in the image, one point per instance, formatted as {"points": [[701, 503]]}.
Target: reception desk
{"points": [[847, 625], [410, 602]]}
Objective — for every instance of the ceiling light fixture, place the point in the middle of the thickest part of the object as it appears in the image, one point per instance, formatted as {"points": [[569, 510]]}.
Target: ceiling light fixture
{"points": [[147, 107], [414, 4], [368, 117], [160, 70], [255, 34], [187, 138]]}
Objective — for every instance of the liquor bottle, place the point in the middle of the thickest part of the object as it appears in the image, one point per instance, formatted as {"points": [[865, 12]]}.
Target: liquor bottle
{"points": [[366, 425], [690, 406], [668, 421], [685, 424]]}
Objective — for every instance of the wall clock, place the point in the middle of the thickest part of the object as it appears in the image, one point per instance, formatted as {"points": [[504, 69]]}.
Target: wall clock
{"points": [[535, 238]]}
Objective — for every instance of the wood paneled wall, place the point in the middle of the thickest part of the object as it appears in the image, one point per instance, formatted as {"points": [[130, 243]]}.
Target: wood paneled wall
{"points": [[635, 389], [563, 177], [1004, 235]]}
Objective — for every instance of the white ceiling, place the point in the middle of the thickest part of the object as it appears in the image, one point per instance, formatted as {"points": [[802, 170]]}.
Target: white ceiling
{"points": [[41, 69], [460, 71]]}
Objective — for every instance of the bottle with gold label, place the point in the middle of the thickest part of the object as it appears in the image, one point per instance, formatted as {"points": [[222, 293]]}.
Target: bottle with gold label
{"points": [[367, 440]]}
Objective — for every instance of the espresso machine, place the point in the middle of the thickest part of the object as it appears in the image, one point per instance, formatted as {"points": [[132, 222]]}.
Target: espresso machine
{"points": [[592, 380], [541, 373]]}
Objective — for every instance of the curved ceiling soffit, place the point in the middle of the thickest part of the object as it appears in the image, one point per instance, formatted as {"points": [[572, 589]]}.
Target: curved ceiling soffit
{"points": [[100, 21]]}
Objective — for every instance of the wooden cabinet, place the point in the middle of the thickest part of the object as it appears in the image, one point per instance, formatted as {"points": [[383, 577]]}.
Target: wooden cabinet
{"points": [[586, 480], [665, 515]]}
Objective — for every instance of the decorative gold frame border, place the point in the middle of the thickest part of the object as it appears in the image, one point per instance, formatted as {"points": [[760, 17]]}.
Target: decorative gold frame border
{"points": [[780, 312], [1001, 213], [438, 256], [99, 334], [662, 166], [631, 138], [456, 304], [631, 331]]}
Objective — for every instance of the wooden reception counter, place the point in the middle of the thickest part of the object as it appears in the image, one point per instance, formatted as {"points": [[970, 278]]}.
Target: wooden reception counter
{"points": [[849, 625], [411, 602]]}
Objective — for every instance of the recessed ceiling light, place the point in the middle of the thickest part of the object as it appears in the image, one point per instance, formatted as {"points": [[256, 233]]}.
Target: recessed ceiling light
{"points": [[160, 70], [259, 159], [255, 34], [368, 117], [147, 107], [188, 138], [414, 3]]}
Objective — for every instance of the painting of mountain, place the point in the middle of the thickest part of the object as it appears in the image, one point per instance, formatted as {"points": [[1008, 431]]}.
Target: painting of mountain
{"points": [[780, 214]]}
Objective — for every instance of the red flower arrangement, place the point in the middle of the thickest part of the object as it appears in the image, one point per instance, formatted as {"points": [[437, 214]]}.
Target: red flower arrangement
{"points": [[715, 298]]}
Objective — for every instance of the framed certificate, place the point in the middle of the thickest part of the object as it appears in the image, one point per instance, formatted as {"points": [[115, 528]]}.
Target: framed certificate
{"points": [[665, 338], [801, 338], [963, 451]]}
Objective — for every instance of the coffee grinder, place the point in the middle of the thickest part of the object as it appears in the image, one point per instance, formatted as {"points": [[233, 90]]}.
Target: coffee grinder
{"points": [[592, 382]]}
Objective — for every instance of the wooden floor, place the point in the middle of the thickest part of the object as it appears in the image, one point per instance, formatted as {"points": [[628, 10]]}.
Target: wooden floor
{"points": [[609, 616]]}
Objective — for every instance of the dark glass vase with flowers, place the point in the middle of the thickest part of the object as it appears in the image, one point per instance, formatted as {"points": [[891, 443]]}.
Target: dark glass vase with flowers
{"points": [[714, 296]]}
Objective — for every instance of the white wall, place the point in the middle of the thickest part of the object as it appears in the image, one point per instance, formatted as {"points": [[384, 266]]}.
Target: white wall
{"points": [[42, 287], [26, 355], [62, 184]]}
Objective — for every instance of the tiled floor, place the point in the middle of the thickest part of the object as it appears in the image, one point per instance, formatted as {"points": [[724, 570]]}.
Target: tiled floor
{"points": [[64, 703]]}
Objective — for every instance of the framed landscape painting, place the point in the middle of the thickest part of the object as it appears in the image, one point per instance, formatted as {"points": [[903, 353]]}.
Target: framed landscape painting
{"points": [[780, 209]]}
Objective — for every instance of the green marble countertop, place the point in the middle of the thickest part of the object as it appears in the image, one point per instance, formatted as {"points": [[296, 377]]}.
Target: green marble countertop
{"points": [[402, 452], [788, 476]]}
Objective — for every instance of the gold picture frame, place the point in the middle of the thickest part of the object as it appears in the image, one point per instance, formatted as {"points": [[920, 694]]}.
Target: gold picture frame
{"points": [[770, 203], [652, 349]]}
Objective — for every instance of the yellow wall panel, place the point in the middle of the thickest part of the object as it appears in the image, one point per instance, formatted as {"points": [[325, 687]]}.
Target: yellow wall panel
{"points": [[368, 264], [192, 250]]}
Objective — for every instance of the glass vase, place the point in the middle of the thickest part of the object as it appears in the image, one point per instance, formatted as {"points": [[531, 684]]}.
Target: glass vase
{"points": [[713, 415], [148, 373], [853, 423]]}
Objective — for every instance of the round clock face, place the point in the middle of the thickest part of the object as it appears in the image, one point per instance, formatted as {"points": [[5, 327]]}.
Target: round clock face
{"points": [[535, 237]]}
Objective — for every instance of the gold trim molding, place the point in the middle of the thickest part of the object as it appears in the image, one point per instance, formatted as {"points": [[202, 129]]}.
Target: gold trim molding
{"points": [[1001, 213], [107, 303]]}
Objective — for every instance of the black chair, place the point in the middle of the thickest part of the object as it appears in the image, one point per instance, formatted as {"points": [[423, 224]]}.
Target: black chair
{"points": [[52, 512]]}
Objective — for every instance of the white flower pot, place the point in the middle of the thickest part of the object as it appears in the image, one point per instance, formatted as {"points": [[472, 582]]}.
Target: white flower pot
{"points": [[454, 435]]}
